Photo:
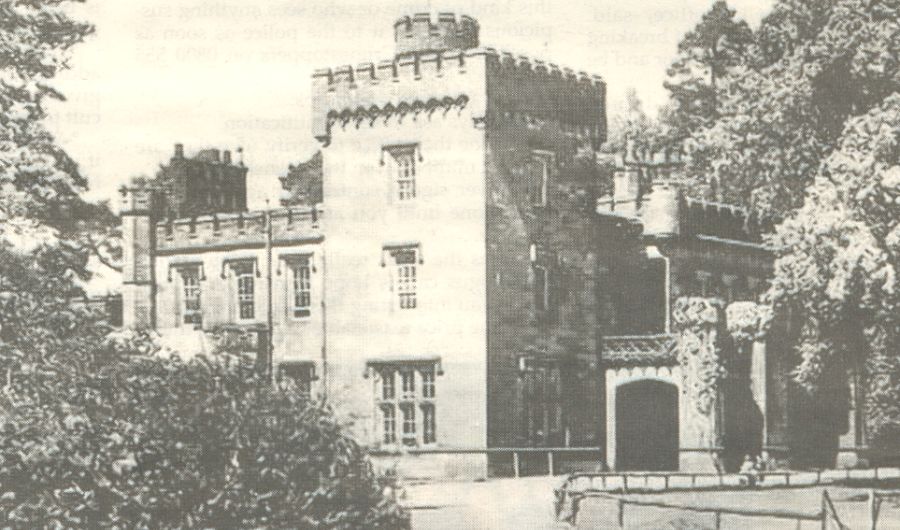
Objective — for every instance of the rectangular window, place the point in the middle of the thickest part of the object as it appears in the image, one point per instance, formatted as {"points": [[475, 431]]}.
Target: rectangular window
{"points": [[399, 405], [408, 384], [428, 383], [245, 275], [404, 168], [428, 433], [405, 277], [389, 424], [245, 296], [541, 288], [191, 313], [409, 424], [387, 385], [540, 168], [302, 290], [543, 416]]}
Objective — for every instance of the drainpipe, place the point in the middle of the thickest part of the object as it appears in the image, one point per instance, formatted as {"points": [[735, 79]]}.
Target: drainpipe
{"points": [[654, 253], [324, 334], [270, 346]]}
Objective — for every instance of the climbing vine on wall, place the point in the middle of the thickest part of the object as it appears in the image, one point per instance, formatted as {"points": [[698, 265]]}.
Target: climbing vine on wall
{"points": [[698, 320], [748, 321]]}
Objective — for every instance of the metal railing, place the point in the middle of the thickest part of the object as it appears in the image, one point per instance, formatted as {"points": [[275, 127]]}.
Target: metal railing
{"points": [[827, 515], [579, 486], [548, 454]]}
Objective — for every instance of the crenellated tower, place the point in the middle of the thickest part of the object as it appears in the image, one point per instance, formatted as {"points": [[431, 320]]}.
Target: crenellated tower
{"points": [[423, 32], [441, 164]]}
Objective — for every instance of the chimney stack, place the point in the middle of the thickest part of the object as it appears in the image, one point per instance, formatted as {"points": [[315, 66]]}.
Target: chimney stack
{"points": [[226, 157], [179, 150]]}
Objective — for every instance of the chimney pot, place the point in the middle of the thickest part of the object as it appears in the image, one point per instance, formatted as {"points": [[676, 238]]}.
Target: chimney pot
{"points": [[226, 156]]}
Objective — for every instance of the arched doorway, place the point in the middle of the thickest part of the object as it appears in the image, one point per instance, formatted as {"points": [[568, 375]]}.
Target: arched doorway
{"points": [[647, 426]]}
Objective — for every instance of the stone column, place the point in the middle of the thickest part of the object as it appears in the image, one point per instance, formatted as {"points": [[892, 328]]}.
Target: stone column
{"points": [[851, 444], [698, 322], [749, 325]]}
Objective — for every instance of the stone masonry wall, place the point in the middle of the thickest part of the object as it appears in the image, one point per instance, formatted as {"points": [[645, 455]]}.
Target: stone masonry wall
{"points": [[532, 110]]}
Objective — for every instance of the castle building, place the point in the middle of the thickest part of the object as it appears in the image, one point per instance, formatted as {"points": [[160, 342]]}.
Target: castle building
{"points": [[465, 293]]}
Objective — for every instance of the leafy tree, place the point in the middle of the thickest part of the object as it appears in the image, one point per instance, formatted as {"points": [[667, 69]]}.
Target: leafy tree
{"points": [[837, 263], [303, 182], [817, 63], [37, 178], [706, 55], [787, 26]]}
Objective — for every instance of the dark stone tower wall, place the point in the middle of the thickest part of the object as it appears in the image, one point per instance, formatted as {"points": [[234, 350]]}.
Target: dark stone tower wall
{"points": [[535, 111]]}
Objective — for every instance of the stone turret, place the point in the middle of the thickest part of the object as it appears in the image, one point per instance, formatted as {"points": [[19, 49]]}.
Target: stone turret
{"points": [[424, 32], [646, 185], [138, 245]]}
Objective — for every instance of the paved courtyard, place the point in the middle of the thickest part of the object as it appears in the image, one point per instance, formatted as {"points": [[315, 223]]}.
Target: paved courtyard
{"points": [[527, 504]]}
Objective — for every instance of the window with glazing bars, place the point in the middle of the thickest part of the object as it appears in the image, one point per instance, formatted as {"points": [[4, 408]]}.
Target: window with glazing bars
{"points": [[191, 311], [408, 384], [244, 276], [302, 289], [402, 390], [408, 410], [404, 171], [427, 383], [405, 278], [428, 424], [389, 429]]}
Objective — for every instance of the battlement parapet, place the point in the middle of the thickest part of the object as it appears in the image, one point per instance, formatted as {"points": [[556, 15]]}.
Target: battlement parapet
{"points": [[423, 32], [138, 197], [547, 91], [439, 63], [400, 69], [222, 231], [519, 83], [722, 221]]}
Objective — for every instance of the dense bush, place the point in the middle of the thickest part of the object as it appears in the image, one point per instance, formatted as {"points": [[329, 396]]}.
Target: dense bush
{"points": [[151, 441]]}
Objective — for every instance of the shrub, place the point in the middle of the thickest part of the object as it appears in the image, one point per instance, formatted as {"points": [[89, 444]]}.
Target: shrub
{"points": [[160, 442]]}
